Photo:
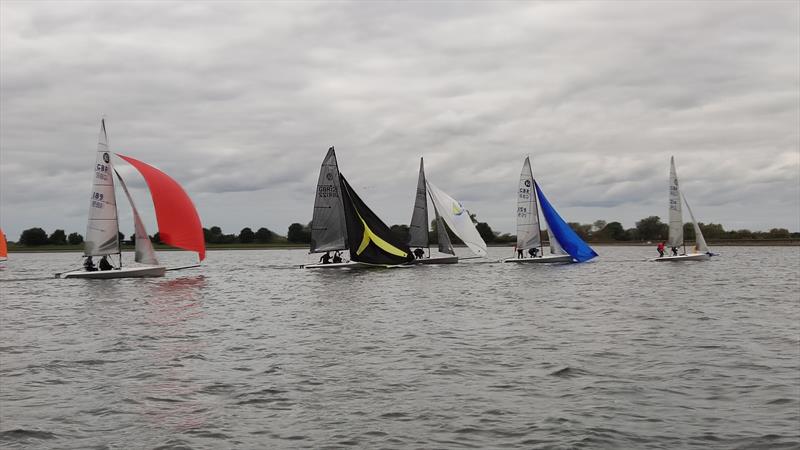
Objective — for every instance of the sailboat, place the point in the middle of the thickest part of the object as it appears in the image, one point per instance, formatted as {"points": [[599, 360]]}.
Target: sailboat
{"points": [[178, 221], [700, 251], [3, 246], [457, 218], [565, 245], [418, 230], [342, 221]]}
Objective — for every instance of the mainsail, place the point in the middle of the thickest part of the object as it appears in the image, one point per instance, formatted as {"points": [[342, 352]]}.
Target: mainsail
{"points": [[178, 222], [103, 228], [560, 232], [418, 230], [143, 247], [528, 233], [700, 241], [675, 216], [371, 241], [328, 230], [458, 219], [3, 246]]}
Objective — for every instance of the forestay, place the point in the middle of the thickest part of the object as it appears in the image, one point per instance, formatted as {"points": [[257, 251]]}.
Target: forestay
{"points": [[143, 247], [458, 219], [102, 230], [528, 231], [418, 230], [675, 216], [328, 229]]}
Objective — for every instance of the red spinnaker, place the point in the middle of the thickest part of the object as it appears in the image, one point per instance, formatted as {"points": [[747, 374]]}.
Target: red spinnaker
{"points": [[178, 222], [3, 246]]}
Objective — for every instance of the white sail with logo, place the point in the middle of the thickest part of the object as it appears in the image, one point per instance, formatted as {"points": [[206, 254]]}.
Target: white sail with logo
{"points": [[102, 230], [700, 241], [675, 215], [458, 219], [528, 232], [145, 253]]}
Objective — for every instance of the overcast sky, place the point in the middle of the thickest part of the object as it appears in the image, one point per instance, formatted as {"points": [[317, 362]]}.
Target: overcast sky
{"points": [[240, 101]]}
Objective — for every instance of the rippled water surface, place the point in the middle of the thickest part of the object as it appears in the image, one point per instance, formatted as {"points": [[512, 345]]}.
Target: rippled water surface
{"points": [[252, 352]]}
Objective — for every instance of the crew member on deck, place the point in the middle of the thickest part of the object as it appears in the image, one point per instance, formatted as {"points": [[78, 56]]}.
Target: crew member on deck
{"points": [[419, 253], [520, 253], [326, 258], [104, 264], [674, 251], [88, 265], [660, 249], [533, 251], [337, 257]]}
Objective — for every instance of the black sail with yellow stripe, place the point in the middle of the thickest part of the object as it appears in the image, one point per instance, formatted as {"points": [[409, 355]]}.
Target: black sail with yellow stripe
{"points": [[371, 241]]}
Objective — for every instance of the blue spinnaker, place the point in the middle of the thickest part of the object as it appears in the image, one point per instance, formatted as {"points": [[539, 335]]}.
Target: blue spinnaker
{"points": [[566, 236]]}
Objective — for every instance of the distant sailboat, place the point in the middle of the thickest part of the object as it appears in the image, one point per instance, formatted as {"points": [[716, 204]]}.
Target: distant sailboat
{"points": [[3, 246], [675, 239], [342, 221], [178, 222], [565, 245], [418, 230], [457, 219]]}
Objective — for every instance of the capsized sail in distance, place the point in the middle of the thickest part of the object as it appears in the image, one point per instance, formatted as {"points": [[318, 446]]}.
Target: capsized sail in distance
{"points": [[675, 215], [178, 222], [371, 241], [3, 246], [562, 232], [328, 229], [528, 231], [458, 219], [418, 229], [144, 251], [102, 230]]}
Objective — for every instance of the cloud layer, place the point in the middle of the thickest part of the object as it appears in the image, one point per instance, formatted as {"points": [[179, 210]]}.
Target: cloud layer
{"points": [[240, 101]]}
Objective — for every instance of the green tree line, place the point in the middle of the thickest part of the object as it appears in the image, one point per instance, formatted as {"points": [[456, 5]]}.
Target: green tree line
{"points": [[647, 229]]}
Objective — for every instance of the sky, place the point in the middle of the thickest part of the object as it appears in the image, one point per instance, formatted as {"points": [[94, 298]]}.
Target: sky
{"points": [[239, 102]]}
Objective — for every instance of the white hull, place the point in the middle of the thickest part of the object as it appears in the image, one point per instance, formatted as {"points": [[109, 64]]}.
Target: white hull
{"points": [[438, 260], [690, 257], [544, 259], [126, 272], [352, 265]]}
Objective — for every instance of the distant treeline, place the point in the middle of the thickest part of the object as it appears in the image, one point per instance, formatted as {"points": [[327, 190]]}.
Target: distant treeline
{"points": [[648, 229]]}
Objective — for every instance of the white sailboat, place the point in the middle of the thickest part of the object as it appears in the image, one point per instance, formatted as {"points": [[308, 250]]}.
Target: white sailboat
{"points": [[457, 218], [700, 252], [179, 224], [565, 245], [418, 230]]}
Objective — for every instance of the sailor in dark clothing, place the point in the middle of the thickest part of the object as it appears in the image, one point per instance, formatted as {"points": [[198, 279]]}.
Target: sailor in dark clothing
{"points": [[520, 253], [419, 253], [88, 265], [104, 264], [337, 257], [326, 258], [674, 251], [533, 251]]}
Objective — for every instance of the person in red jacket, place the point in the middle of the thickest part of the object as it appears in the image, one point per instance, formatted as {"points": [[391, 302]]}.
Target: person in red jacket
{"points": [[660, 249]]}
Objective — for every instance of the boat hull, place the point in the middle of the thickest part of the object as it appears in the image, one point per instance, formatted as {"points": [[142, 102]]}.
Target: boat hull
{"points": [[354, 265], [438, 260], [690, 257], [127, 272], [552, 259]]}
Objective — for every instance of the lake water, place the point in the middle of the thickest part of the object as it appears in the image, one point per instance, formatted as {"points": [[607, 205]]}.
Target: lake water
{"points": [[252, 352]]}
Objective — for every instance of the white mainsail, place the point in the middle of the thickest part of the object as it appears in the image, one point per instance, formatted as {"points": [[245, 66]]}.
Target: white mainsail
{"points": [[103, 226], [418, 229], [328, 229], [675, 216], [700, 241], [143, 247], [528, 232], [458, 219]]}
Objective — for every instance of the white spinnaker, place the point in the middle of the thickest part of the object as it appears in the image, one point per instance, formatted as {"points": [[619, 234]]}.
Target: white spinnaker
{"points": [[700, 241], [528, 233], [457, 218], [675, 215], [144, 248], [103, 226]]}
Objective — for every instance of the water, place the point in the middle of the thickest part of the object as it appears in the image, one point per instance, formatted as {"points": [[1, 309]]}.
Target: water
{"points": [[250, 352]]}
